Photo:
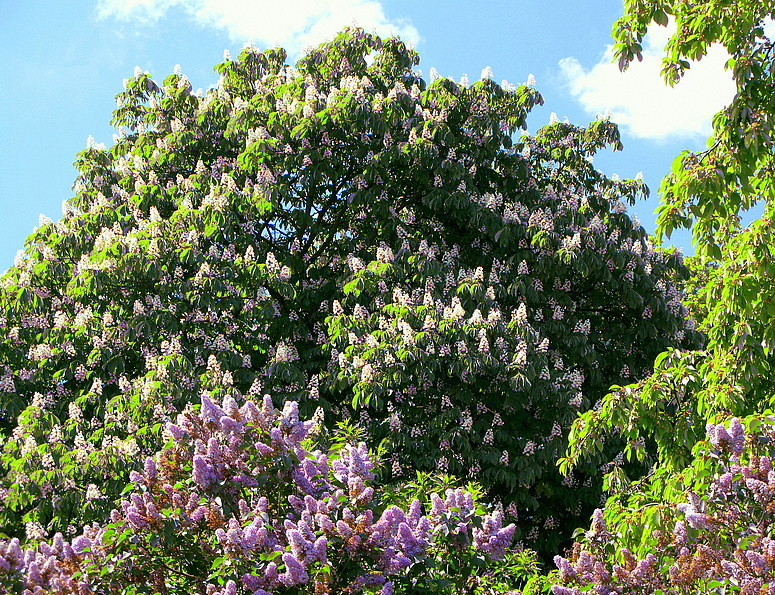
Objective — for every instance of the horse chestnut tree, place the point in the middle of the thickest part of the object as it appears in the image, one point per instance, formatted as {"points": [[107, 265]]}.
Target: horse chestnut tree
{"points": [[344, 234]]}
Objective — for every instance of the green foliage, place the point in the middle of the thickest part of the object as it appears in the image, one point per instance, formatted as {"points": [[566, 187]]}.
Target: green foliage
{"points": [[711, 187], [731, 290]]}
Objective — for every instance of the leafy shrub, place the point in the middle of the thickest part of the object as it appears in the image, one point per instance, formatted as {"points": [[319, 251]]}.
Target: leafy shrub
{"points": [[719, 539], [238, 502]]}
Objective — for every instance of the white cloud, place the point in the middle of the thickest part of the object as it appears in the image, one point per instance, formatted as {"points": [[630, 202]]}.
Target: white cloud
{"points": [[640, 101], [292, 24]]}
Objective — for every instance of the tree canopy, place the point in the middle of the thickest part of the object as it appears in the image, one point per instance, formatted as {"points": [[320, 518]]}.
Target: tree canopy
{"points": [[342, 234]]}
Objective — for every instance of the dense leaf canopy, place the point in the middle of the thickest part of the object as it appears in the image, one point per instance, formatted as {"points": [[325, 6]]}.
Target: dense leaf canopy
{"points": [[346, 235]]}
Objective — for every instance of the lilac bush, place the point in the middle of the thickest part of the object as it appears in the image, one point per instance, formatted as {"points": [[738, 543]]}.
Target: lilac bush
{"points": [[238, 501], [720, 539]]}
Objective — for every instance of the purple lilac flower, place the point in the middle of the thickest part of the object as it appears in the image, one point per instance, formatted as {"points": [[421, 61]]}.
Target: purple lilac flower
{"points": [[300, 547], [175, 431], [679, 533], [438, 508], [210, 412], [344, 529], [214, 452], [644, 567], [758, 562], [319, 550], [410, 544], [567, 571], [33, 574], [718, 436], [697, 520], [760, 490], [737, 435], [271, 574], [415, 512], [598, 529], [496, 545], [230, 425], [723, 485], [150, 468], [204, 473], [137, 520], [295, 573]]}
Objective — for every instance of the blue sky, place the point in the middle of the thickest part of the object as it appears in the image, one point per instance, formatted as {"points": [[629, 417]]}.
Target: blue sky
{"points": [[62, 63]]}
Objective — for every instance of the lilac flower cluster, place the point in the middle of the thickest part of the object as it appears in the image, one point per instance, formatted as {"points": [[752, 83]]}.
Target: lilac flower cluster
{"points": [[262, 511], [723, 536]]}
